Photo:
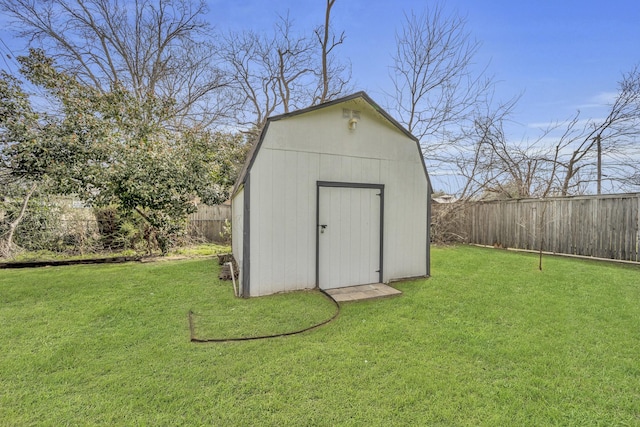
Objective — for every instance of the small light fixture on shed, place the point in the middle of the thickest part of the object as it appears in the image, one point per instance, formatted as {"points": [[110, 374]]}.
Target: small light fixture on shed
{"points": [[353, 116]]}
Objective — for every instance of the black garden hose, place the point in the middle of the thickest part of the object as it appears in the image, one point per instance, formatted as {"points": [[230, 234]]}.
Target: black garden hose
{"points": [[262, 337]]}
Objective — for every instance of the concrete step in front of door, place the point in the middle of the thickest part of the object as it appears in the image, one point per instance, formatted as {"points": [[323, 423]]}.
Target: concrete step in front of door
{"points": [[362, 292]]}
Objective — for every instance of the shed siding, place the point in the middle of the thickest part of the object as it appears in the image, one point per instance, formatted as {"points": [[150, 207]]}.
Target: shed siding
{"points": [[237, 230], [283, 221], [406, 216], [299, 151]]}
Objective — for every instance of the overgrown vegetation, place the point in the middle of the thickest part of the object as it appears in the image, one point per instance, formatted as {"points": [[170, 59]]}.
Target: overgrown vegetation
{"points": [[191, 251], [55, 228], [110, 149], [488, 340], [449, 223]]}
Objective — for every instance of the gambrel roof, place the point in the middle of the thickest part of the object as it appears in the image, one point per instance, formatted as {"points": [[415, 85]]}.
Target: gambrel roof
{"points": [[358, 95]]}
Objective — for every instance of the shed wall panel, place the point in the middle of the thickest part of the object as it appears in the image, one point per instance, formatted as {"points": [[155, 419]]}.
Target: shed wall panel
{"points": [[406, 216], [283, 221], [237, 230]]}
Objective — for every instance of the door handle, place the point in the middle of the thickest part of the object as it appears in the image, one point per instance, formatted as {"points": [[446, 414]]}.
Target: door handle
{"points": [[322, 227]]}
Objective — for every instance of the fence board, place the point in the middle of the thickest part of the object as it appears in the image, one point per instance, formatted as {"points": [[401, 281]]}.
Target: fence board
{"points": [[600, 226], [208, 222]]}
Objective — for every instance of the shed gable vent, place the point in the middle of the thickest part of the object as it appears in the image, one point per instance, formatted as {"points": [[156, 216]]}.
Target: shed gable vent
{"points": [[348, 113]]}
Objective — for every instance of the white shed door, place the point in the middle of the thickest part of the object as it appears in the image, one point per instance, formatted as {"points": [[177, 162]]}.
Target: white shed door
{"points": [[349, 236]]}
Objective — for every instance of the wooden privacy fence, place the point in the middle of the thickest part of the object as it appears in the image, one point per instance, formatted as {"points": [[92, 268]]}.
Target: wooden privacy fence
{"points": [[209, 221], [76, 219], [599, 226]]}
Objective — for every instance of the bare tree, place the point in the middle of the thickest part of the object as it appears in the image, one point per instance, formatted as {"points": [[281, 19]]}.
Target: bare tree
{"points": [[271, 72], [334, 75], [149, 46], [435, 89], [612, 138], [242, 53], [483, 158], [284, 70], [294, 64], [521, 170]]}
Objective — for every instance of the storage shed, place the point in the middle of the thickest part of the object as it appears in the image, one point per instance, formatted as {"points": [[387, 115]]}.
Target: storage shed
{"points": [[331, 196]]}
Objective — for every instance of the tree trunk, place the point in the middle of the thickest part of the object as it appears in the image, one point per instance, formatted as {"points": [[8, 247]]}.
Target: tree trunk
{"points": [[325, 52], [6, 244]]}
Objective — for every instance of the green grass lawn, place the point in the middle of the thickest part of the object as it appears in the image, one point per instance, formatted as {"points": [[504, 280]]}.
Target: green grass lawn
{"points": [[488, 340]]}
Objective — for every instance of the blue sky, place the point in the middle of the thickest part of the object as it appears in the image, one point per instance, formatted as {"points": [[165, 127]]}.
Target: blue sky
{"points": [[560, 55]]}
